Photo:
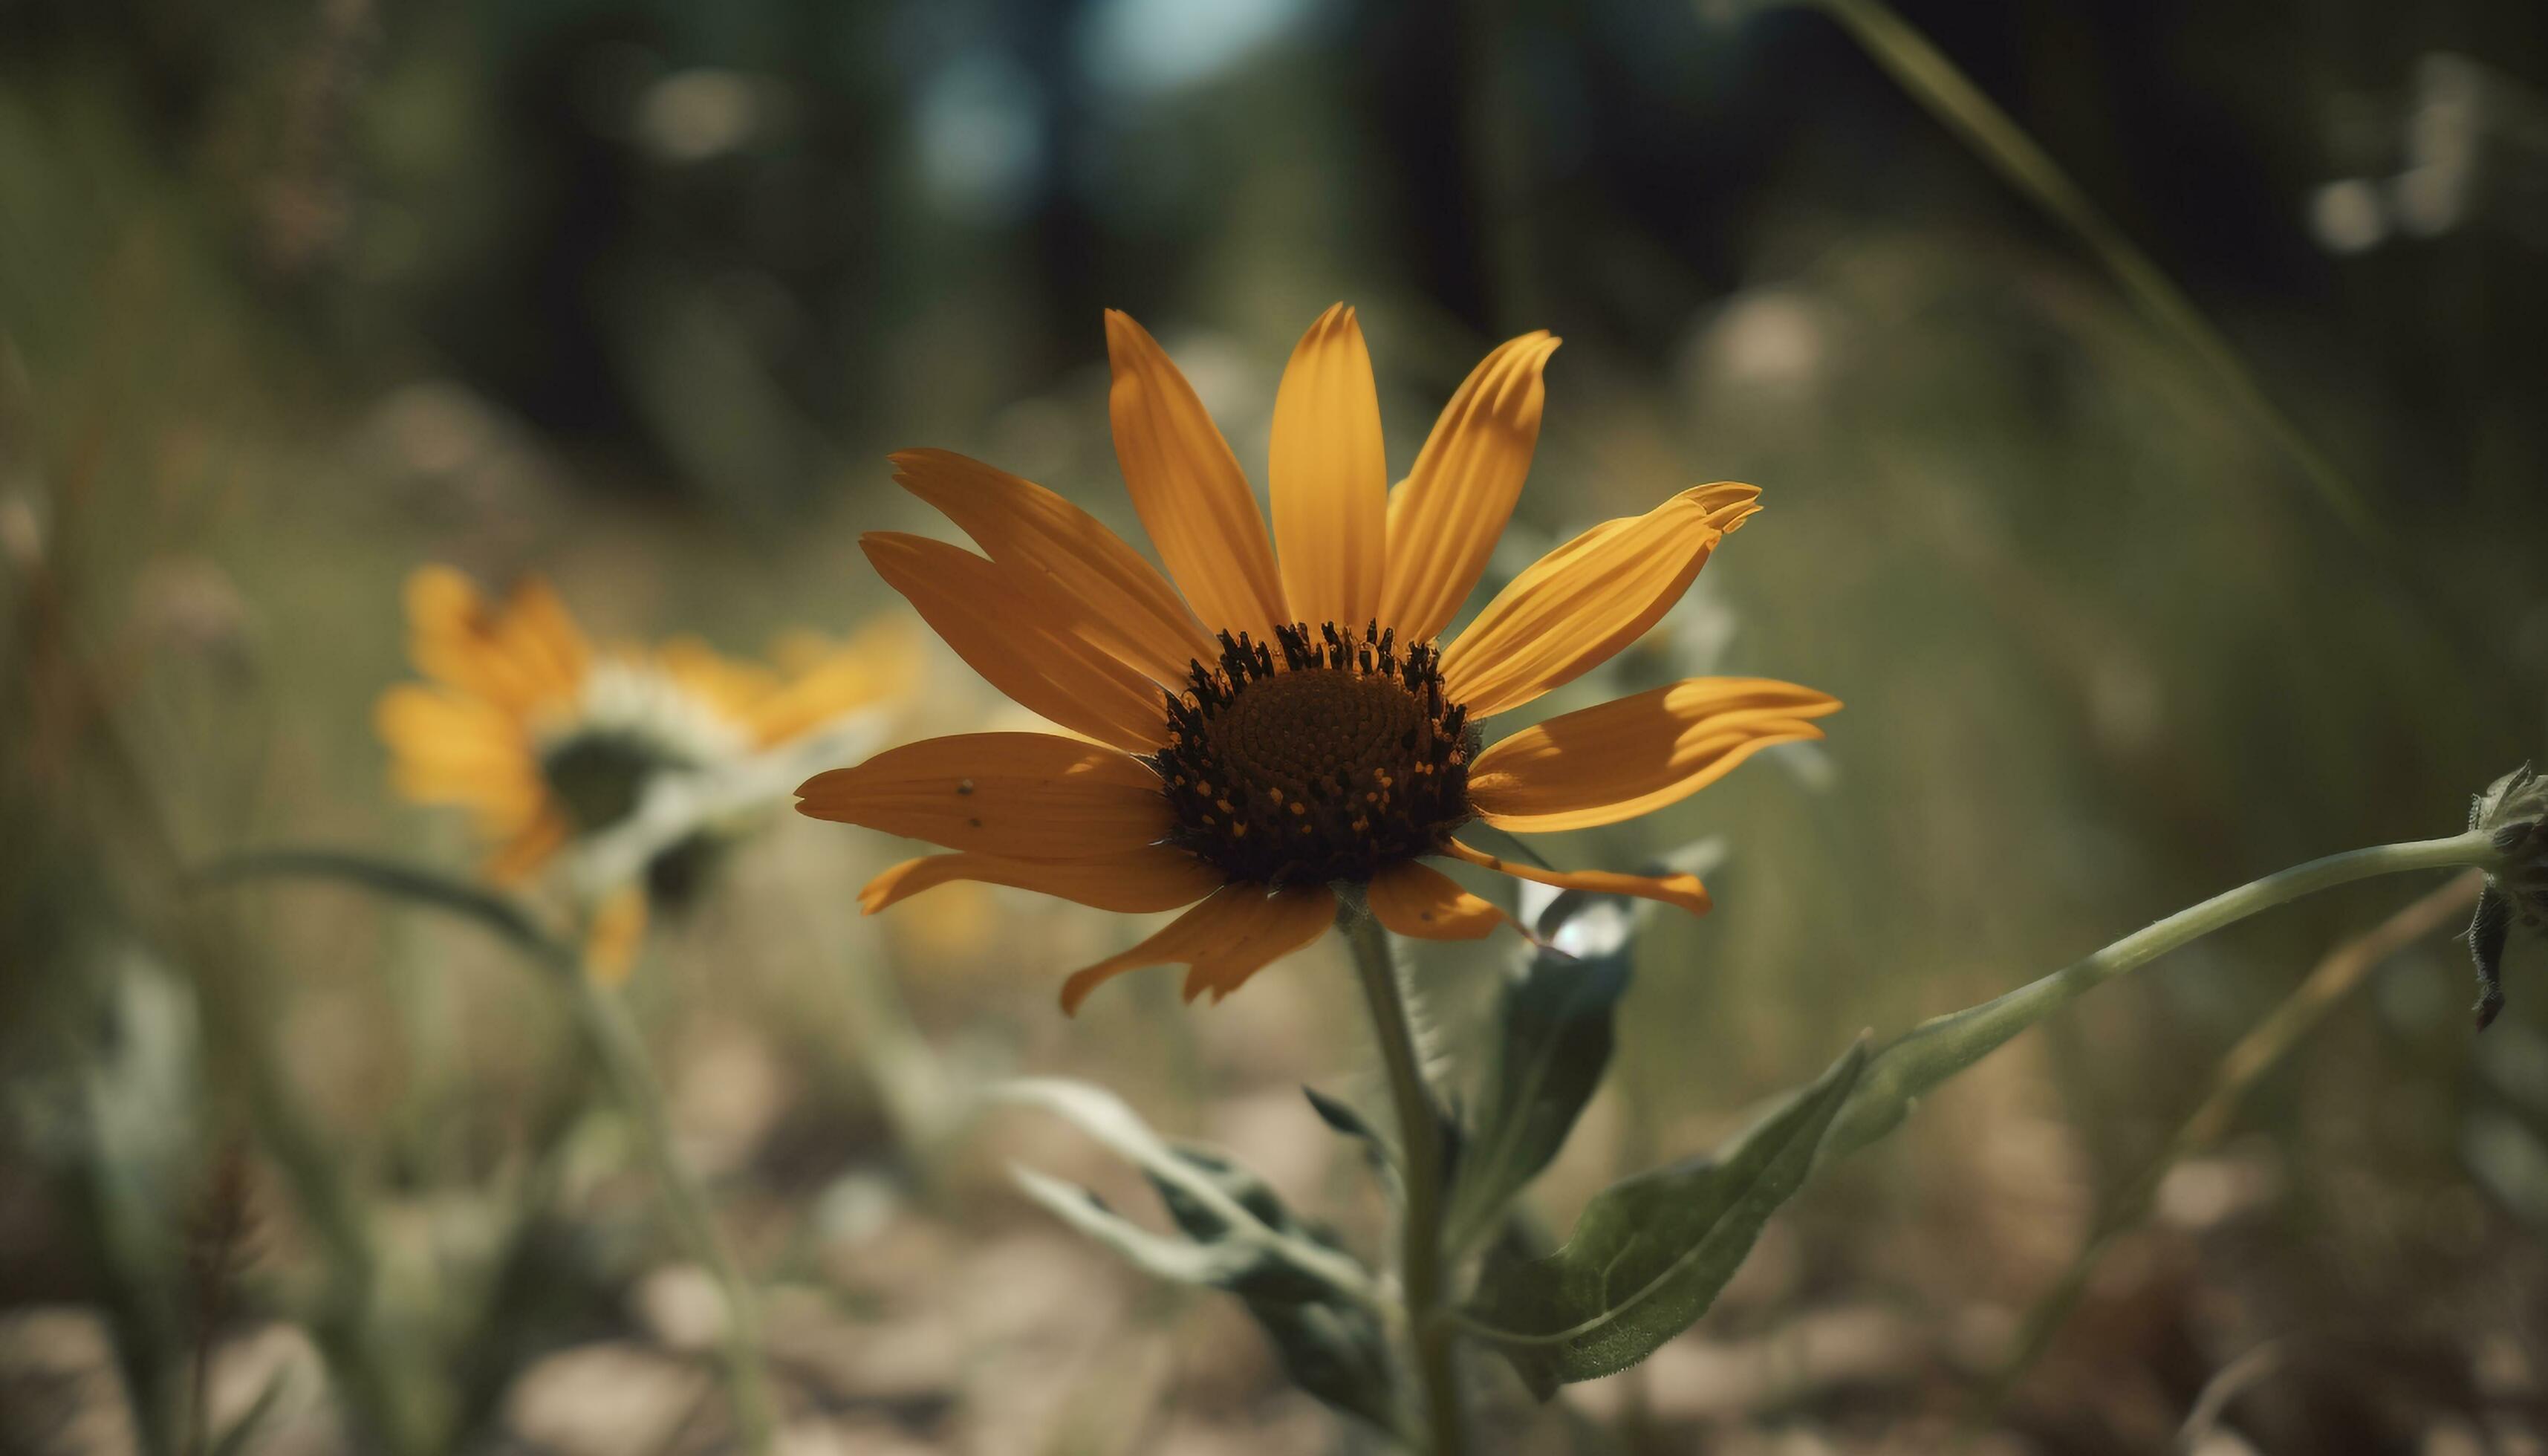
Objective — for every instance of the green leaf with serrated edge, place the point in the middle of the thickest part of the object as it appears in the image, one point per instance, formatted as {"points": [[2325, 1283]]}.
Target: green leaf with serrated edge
{"points": [[497, 912], [1555, 1022], [1649, 1254]]}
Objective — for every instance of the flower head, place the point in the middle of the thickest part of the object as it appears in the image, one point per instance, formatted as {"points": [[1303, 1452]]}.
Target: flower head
{"points": [[552, 745], [1279, 722]]}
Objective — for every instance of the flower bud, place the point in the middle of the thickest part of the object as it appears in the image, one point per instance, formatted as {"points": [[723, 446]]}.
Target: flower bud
{"points": [[2513, 815]]}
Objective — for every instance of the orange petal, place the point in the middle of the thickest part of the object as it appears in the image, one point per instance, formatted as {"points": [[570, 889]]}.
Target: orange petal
{"points": [[1422, 903], [542, 634], [1623, 758], [830, 680], [1682, 890], [1284, 922], [1013, 795], [1188, 489], [449, 747], [1139, 881], [1227, 939], [522, 654], [1588, 599], [733, 688], [1329, 477], [523, 854], [1444, 520], [1030, 644], [1033, 531]]}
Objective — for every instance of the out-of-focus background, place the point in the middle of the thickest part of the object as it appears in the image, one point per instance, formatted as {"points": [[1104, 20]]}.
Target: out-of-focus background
{"points": [[296, 295]]}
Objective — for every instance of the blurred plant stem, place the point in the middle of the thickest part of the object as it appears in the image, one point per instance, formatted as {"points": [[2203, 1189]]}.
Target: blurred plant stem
{"points": [[1422, 1273], [2336, 976], [1948, 94], [1937, 1050], [406, 1415], [621, 1050]]}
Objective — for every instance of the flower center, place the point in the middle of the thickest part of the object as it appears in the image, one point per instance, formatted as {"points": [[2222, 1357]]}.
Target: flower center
{"points": [[1317, 759], [598, 775]]}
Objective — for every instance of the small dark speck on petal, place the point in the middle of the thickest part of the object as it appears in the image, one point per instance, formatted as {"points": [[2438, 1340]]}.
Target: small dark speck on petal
{"points": [[976, 823]]}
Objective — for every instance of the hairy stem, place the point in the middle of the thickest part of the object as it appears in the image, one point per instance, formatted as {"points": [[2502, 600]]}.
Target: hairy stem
{"points": [[1421, 1275], [622, 1054]]}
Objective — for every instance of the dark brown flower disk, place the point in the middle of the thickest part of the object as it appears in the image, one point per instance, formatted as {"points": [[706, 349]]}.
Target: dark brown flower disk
{"points": [[1331, 763]]}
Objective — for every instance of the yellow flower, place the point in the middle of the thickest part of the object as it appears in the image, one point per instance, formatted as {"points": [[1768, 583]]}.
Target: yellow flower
{"points": [[546, 741], [1288, 722]]}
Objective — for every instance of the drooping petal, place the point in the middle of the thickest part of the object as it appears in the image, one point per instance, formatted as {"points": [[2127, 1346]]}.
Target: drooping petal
{"points": [[1622, 759], [1023, 526], [1443, 520], [1285, 921], [1682, 890], [1013, 795], [1588, 599], [1025, 639], [1139, 881], [1420, 902], [1329, 477], [1187, 486], [1235, 933]]}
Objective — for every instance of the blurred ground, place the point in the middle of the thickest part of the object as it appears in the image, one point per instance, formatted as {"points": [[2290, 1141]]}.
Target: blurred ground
{"points": [[296, 296]]}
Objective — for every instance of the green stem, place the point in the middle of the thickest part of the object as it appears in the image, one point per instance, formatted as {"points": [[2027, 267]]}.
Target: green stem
{"points": [[2258, 1052], [1422, 1274], [1938, 1049], [622, 1054]]}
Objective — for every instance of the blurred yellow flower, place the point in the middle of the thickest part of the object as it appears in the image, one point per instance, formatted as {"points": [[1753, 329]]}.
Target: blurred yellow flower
{"points": [[548, 742], [1288, 723]]}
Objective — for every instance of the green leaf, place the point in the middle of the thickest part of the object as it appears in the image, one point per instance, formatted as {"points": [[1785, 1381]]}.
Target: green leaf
{"points": [[497, 912], [1649, 1255], [1311, 1297], [1346, 1119], [1556, 1040]]}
